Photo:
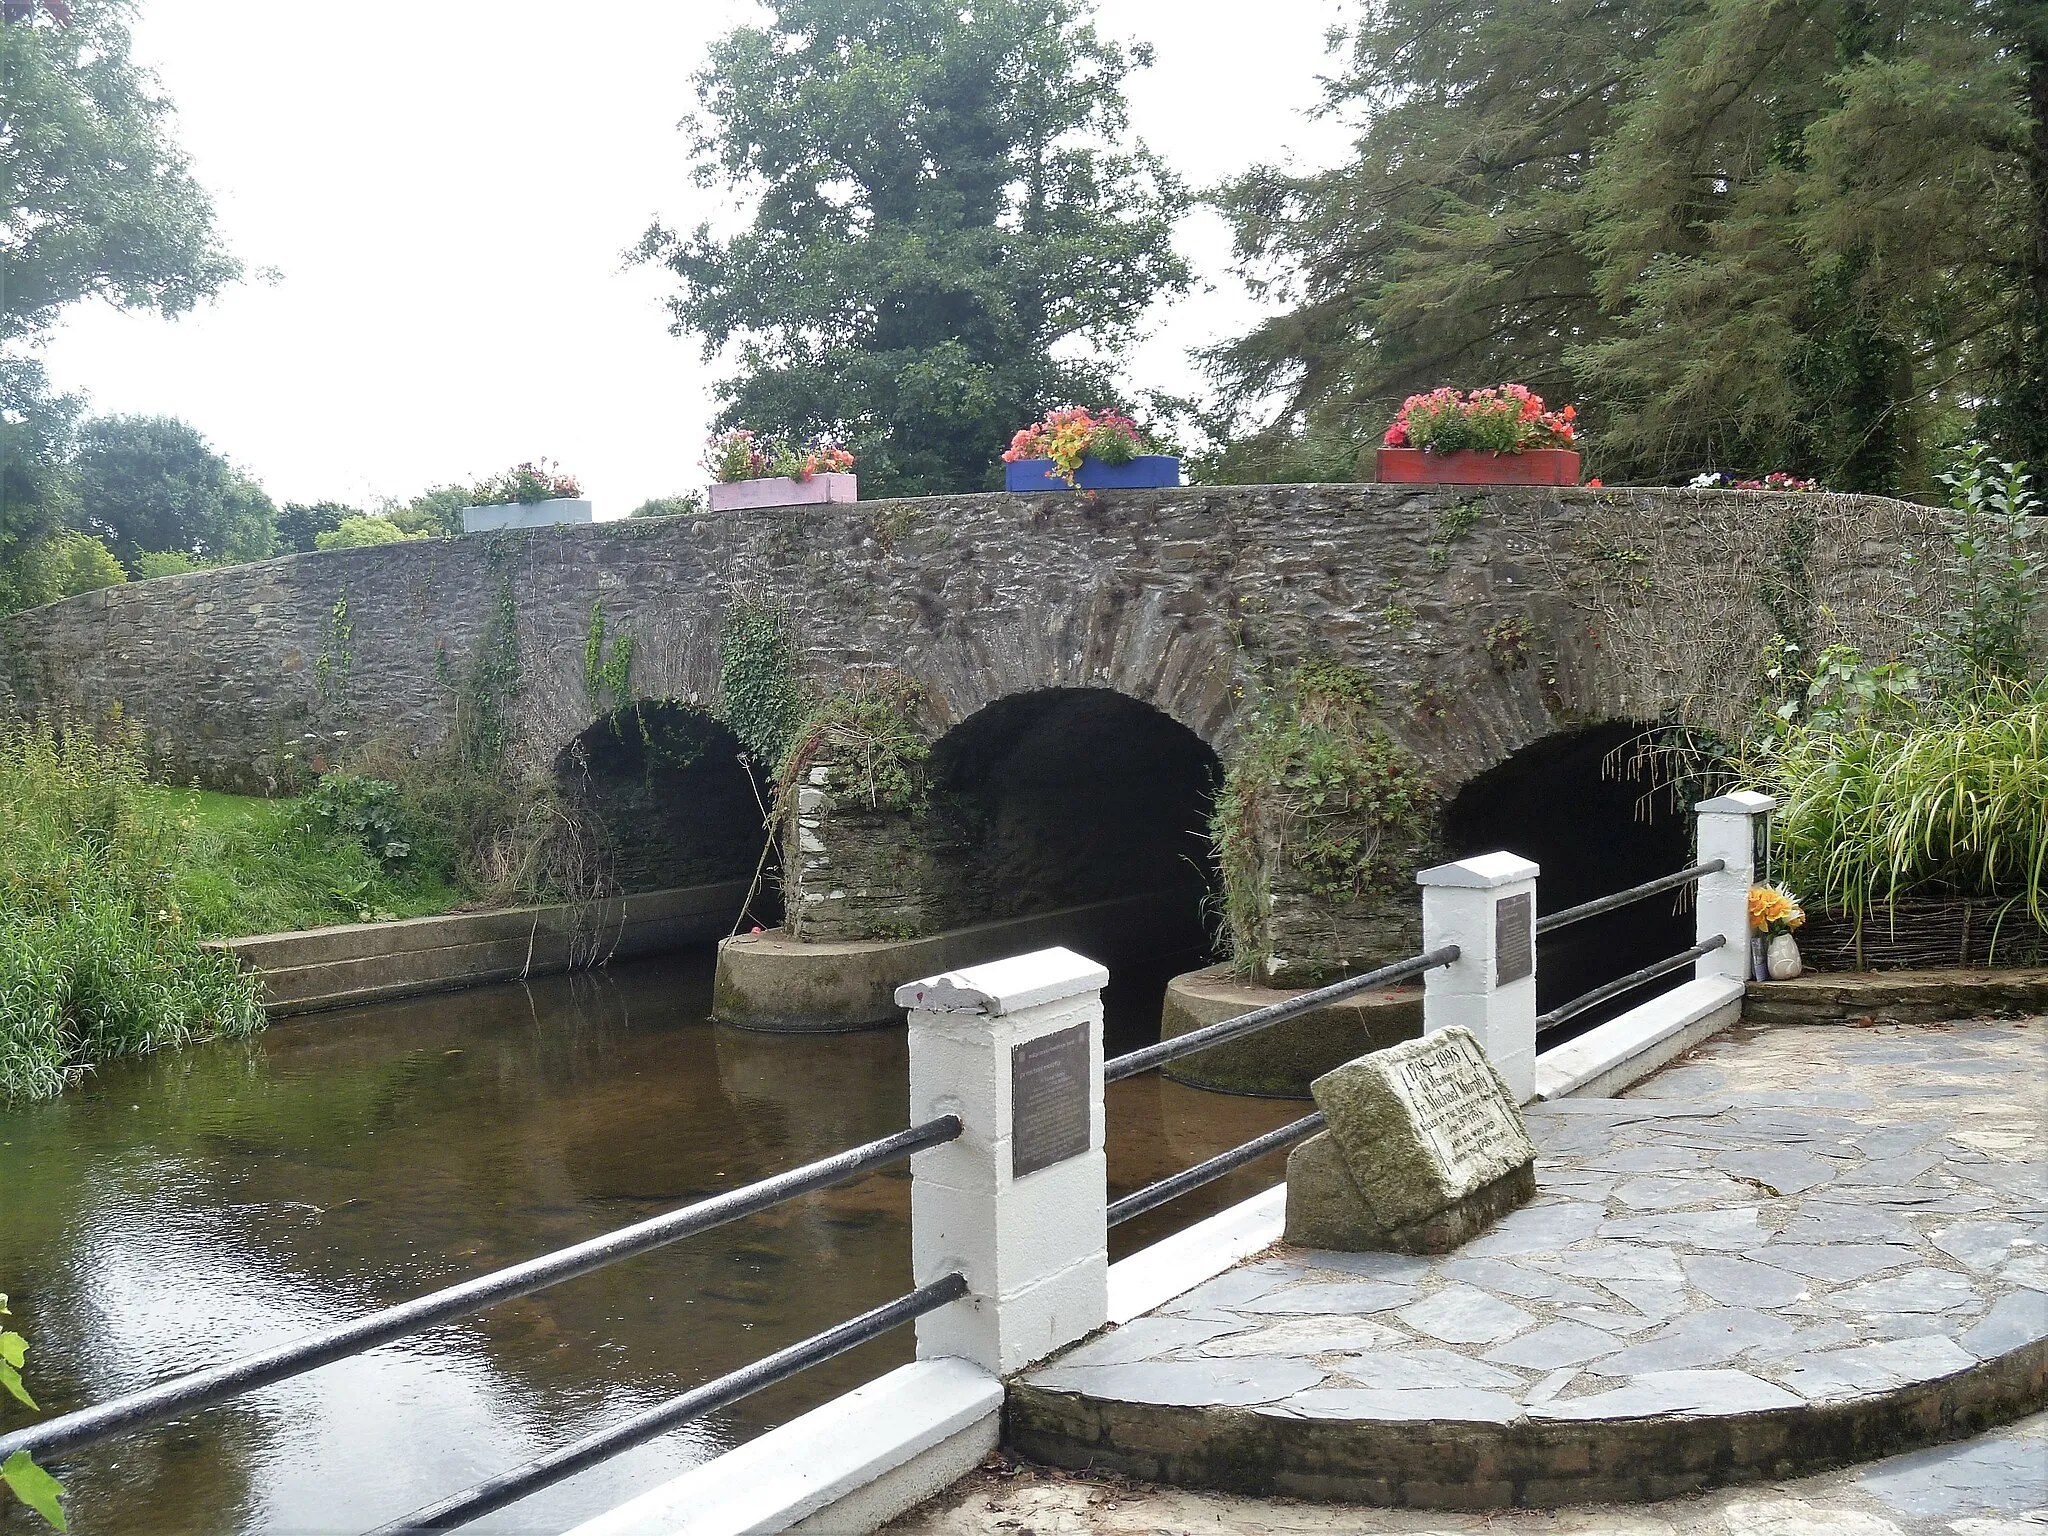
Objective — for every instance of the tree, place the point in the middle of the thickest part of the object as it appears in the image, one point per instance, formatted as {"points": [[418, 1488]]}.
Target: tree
{"points": [[361, 532], [434, 511], [98, 200], [943, 197], [95, 202], [72, 563], [300, 523], [1756, 234], [153, 483]]}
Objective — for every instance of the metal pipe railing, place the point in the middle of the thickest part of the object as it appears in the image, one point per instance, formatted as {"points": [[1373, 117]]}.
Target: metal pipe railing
{"points": [[201, 1389], [1273, 1013], [1152, 1196], [1625, 898], [1615, 988], [510, 1487]]}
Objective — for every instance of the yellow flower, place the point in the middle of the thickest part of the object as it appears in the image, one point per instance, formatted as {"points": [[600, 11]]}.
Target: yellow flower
{"points": [[1773, 909]]}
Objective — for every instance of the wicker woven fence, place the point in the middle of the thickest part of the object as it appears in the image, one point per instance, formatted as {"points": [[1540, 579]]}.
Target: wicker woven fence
{"points": [[1925, 935]]}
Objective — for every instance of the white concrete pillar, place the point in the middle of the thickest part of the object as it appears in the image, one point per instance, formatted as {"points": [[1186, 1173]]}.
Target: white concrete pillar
{"points": [[1487, 907], [1019, 1202], [1727, 831]]}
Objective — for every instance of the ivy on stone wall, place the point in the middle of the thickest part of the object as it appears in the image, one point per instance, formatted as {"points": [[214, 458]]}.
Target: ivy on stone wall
{"points": [[607, 671], [1318, 795], [490, 693], [762, 693]]}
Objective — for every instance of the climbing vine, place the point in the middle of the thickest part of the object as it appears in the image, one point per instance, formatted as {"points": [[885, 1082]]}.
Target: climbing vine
{"points": [[1319, 795], [485, 703], [337, 653], [607, 673], [762, 692]]}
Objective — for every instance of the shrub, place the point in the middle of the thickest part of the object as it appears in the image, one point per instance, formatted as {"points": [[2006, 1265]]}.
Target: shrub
{"points": [[688, 505], [73, 563], [535, 480], [97, 959], [152, 563], [363, 533]]}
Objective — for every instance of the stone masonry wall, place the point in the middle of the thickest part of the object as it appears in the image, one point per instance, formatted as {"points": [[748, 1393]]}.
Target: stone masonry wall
{"points": [[1487, 618]]}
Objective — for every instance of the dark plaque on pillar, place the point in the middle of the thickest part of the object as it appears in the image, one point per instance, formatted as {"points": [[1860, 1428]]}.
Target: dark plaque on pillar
{"points": [[1514, 939], [1049, 1100]]}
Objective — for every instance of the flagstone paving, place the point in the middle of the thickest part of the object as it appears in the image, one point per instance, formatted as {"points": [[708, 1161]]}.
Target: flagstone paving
{"points": [[1781, 1220], [1773, 1222]]}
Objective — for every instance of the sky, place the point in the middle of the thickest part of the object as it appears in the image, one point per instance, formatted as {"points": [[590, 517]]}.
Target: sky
{"points": [[434, 202]]}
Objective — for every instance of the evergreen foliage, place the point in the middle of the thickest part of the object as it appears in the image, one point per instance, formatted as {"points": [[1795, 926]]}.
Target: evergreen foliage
{"points": [[941, 198], [1798, 235]]}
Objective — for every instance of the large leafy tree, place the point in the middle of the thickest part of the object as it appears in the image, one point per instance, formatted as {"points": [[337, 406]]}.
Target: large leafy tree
{"points": [[1747, 233], [152, 484], [96, 201], [943, 198]]}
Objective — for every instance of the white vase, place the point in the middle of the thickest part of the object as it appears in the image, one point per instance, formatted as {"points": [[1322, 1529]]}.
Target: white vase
{"points": [[1784, 958]]}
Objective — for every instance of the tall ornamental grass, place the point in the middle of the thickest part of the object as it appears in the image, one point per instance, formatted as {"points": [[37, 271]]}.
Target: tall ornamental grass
{"points": [[96, 958], [1953, 806]]}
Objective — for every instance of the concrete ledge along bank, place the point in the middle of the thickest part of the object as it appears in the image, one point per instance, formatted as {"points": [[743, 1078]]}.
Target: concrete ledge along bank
{"points": [[339, 967]]}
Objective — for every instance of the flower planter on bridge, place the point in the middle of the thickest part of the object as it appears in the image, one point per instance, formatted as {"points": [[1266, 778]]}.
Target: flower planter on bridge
{"points": [[1532, 466], [783, 491], [1147, 471]]}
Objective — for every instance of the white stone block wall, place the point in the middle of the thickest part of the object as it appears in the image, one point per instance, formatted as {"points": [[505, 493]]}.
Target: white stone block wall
{"points": [[1459, 906], [1035, 1248]]}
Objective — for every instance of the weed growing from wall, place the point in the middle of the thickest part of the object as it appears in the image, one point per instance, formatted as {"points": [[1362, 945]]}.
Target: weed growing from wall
{"points": [[873, 748], [1318, 798], [763, 695]]}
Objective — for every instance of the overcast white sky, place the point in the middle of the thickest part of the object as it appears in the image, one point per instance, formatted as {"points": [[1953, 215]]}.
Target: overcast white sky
{"points": [[445, 189]]}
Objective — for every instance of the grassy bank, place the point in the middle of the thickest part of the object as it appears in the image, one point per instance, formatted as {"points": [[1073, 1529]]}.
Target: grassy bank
{"points": [[110, 884]]}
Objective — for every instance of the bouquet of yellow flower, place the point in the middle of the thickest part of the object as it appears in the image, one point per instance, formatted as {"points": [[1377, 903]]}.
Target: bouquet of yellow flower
{"points": [[1774, 910]]}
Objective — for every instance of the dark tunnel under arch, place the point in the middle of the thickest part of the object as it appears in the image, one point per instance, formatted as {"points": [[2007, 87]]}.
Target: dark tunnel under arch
{"points": [[1064, 797], [1568, 803], [670, 794]]}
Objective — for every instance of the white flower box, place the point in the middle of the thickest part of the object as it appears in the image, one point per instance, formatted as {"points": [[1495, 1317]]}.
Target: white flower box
{"points": [[783, 491], [526, 514]]}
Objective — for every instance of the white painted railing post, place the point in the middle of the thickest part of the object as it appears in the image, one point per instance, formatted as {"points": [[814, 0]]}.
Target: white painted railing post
{"points": [[1727, 831], [1487, 907], [1019, 1202]]}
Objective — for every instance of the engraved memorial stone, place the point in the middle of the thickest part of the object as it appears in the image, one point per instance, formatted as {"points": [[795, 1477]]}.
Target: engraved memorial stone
{"points": [[1514, 939], [1425, 1148], [1048, 1100]]}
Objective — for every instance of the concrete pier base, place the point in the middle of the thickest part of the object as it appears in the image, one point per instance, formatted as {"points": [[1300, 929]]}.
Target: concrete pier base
{"points": [[1280, 1062], [769, 981]]}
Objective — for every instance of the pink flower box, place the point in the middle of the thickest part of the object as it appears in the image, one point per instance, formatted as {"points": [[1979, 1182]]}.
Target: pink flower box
{"points": [[1532, 466], [783, 491]]}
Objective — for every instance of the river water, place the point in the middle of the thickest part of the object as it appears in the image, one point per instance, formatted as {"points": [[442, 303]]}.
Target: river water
{"points": [[188, 1208]]}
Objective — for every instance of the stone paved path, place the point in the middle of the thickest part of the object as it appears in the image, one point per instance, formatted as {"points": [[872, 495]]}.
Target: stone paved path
{"points": [[1996, 1485], [1791, 1215]]}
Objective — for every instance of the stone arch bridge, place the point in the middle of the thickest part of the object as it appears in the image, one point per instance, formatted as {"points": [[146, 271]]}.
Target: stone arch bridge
{"points": [[1082, 665]]}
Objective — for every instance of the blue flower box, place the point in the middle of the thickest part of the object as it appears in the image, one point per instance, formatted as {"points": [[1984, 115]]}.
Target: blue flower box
{"points": [[1146, 472]]}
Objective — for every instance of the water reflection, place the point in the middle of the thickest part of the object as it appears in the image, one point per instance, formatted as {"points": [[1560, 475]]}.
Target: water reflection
{"points": [[188, 1209]]}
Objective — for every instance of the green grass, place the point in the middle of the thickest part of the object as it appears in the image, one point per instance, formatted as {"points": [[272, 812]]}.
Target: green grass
{"points": [[249, 865]]}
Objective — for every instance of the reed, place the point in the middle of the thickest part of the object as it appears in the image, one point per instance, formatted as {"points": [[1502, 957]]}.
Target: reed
{"points": [[96, 958], [1952, 805]]}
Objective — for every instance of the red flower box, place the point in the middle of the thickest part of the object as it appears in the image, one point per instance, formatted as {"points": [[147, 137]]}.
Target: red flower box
{"points": [[1532, 466]]}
